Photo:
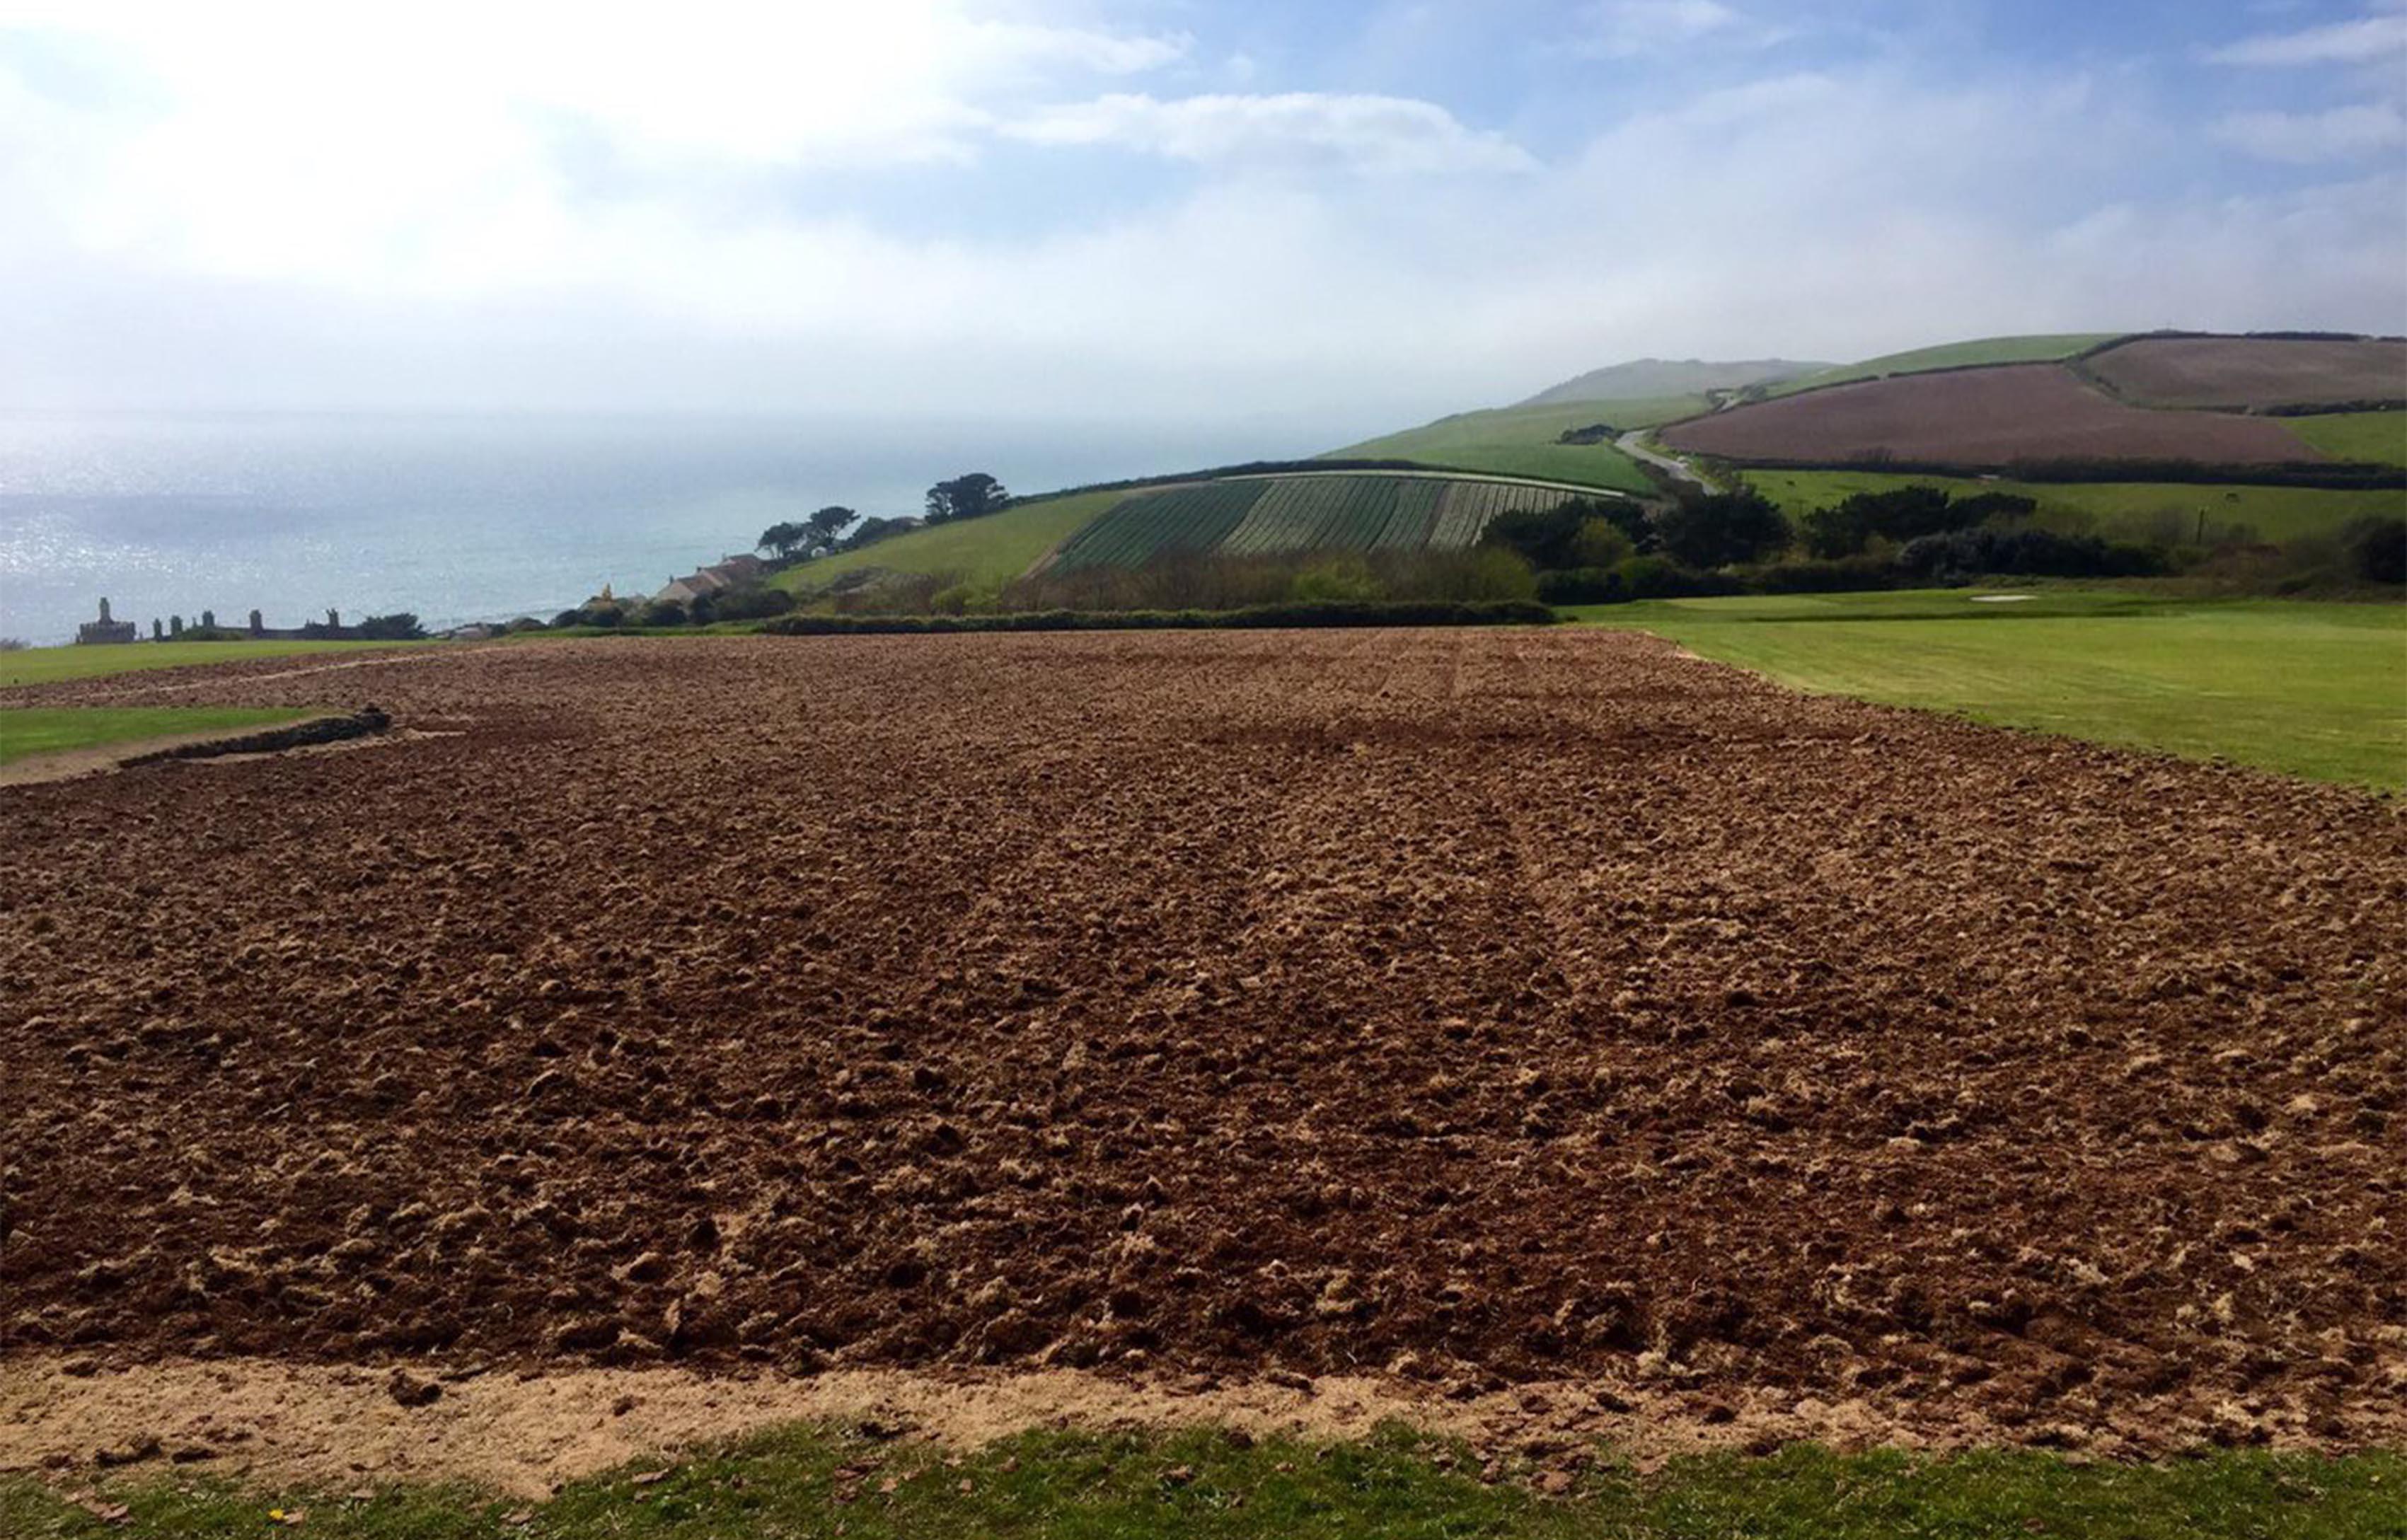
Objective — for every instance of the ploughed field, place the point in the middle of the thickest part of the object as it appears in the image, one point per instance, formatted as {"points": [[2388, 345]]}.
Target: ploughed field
{"points": [[1992, 417], [2239, 374], [1473, 1007]]}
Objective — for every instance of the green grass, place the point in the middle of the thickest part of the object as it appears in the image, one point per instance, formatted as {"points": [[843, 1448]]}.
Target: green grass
{"points": [[987, 551], [1521, 441], [1956, 355], [2377, 437], [50, 664], [2123, 509], [811, 1482], [27, 731], [2313, 690]]}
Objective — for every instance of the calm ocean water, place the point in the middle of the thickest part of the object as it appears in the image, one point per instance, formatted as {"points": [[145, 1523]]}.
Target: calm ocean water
{"points": [[467, 519]]}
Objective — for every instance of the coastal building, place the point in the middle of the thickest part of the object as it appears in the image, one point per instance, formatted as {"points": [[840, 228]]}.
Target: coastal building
{"points": [[729, 572], [105, 630]]}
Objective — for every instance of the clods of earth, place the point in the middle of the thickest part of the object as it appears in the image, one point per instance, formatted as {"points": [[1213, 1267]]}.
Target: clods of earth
{"points": [[1462, 1009]]}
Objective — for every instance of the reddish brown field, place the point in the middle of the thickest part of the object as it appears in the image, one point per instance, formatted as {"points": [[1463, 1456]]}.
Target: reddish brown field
{"points": [[1474, 1008], [1979, 416], [2237, 374]]}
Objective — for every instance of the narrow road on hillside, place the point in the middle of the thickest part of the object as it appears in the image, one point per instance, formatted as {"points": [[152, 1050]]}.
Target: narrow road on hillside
{"points": [[1629, 444]]}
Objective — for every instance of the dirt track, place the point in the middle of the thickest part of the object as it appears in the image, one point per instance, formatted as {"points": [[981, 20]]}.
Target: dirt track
{"points": [[1469, 1007]]}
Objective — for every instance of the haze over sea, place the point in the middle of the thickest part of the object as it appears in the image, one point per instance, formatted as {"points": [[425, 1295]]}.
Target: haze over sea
{"points": [[462, 518]]}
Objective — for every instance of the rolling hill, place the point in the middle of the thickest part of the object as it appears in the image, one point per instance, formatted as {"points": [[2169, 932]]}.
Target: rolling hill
{"points": [[1648, 379]]}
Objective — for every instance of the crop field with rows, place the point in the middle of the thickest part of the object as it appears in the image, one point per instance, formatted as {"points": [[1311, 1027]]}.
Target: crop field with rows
{"points": [[1272, 516]]}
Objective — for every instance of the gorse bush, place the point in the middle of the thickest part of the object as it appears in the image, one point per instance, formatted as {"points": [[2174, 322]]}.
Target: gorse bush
{"points": [[1964, 554], [2376, 550]]}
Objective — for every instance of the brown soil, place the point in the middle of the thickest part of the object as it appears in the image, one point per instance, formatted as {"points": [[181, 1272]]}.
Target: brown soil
{"points": [[1979, 416], [2237, 373], [1467, 1009]]}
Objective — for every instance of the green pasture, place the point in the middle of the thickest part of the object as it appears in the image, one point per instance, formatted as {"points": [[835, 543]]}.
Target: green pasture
{"points": [[2115, 508], [52, 665], [1955, 355], [2309, 689], [1521, 441], [988, 552], [28, 731], [2377, 437], [1204, 1483]]}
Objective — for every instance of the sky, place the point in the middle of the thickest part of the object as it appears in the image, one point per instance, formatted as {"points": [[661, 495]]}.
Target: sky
{"points": [[1356, 212]]}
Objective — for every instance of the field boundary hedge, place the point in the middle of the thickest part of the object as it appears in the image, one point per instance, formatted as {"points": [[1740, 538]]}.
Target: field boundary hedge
{"points": [[1315, 614], [2344, 475]]}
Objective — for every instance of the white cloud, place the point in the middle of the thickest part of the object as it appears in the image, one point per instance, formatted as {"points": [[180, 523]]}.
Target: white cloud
{"points": [[2366, 40], [1631, 29], [1377, 135], [2301, 138]]}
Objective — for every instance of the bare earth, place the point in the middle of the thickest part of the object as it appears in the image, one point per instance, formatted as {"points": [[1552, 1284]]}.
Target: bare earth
{"points": [[2241, 373], [1454, 1013], [1980, 417]]}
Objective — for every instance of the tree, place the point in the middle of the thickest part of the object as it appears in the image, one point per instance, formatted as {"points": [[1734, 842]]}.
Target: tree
{"points": [[828, 524], [785, 540], [873, 529], [1727, 529], [970, 496]]}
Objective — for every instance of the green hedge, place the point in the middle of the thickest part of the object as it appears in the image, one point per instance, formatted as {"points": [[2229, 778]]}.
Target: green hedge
{"points": [[1368, 612]]}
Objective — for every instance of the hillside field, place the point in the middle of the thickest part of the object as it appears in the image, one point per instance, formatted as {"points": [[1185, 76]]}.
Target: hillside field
{"points": [[1283, 515], [2119, 509], [2246, 374], [1990, 416], [1954, 355], [2316, 690], [2375, 437], [1521, 441], [990, 550]]}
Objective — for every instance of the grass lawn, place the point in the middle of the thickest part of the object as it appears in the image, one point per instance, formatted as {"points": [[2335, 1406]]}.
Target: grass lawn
{"points": [[986, 552], [2314, 690], [1956, 355], [2115, 508], [1521, 441], [48, 665], [816, 1482], [2380, 437], [27, 731]]}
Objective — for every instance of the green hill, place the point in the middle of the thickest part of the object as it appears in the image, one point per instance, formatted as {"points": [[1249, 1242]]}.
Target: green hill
{"points": [[987, 551], [1954, 355], [1524, 441], [1655, 379]]}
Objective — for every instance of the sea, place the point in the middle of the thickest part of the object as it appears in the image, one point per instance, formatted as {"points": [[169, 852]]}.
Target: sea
{"points": [[464, 518]]}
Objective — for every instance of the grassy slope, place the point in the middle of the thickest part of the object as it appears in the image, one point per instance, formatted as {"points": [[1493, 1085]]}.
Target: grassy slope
{"points": [[48, 664], [2275, 513], [989, 550], [1090, 1487], [2314, 690], [1956, 355], [2380, 437], [1521, 441], [27, 731]]}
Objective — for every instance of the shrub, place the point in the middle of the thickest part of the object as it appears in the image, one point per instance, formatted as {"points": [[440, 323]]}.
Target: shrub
{"points": [[2376, 549], [400, 626], [13, 644], [1583, 586], [1660, 578], [1340, 576], [1726, 529], [1961, 555], [522, 624], [660, 612], [1565, 536], [750, 603], [1848, 574]]}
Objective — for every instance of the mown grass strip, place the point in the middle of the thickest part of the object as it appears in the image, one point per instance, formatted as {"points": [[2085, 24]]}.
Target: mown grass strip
{"points": [[819, 1481], [28, 731], [2308, 688], [55, 664]]}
